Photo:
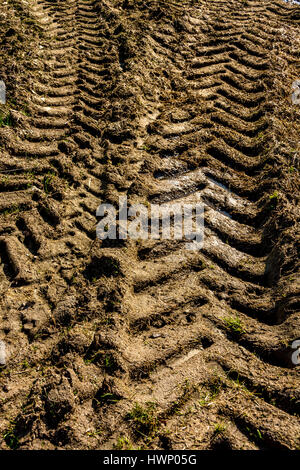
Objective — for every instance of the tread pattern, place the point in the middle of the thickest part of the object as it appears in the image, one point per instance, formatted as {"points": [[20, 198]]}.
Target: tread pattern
{"points": [[181, 110]]}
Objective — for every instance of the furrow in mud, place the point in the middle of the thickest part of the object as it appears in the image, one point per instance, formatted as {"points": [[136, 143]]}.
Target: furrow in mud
{"points": [[165, 103]]}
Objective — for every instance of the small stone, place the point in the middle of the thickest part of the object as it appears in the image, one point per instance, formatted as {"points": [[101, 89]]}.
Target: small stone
{"points": [[156, 335]]}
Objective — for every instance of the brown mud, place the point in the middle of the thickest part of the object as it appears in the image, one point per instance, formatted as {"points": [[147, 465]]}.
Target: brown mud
{"points": [[138, 345]]}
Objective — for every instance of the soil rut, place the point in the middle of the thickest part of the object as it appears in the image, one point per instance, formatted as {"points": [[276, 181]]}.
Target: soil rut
{"points": [[144, 344]]}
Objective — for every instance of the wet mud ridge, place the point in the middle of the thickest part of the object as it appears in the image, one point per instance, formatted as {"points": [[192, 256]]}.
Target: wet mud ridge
{"points": [[144, 344]]}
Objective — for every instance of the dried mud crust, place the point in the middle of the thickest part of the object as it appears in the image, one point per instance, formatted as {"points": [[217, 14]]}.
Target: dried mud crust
{"points": [[145, 344]]}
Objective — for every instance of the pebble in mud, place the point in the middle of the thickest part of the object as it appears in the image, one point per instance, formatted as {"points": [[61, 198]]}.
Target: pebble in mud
{"points": [[157, 335], [2, 354]]}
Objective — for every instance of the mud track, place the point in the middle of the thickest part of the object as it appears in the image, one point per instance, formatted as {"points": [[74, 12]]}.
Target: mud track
{"points": [[146, 344]]}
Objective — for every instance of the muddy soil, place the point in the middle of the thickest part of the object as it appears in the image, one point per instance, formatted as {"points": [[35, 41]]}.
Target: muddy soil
{"points": [[145, 344]]}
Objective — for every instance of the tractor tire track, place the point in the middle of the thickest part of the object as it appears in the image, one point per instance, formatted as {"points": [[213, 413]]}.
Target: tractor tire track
{"points": [[167, 104]]}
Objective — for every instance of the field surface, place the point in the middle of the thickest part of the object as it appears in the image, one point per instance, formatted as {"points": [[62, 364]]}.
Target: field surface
{"points": [[144, 344]]}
